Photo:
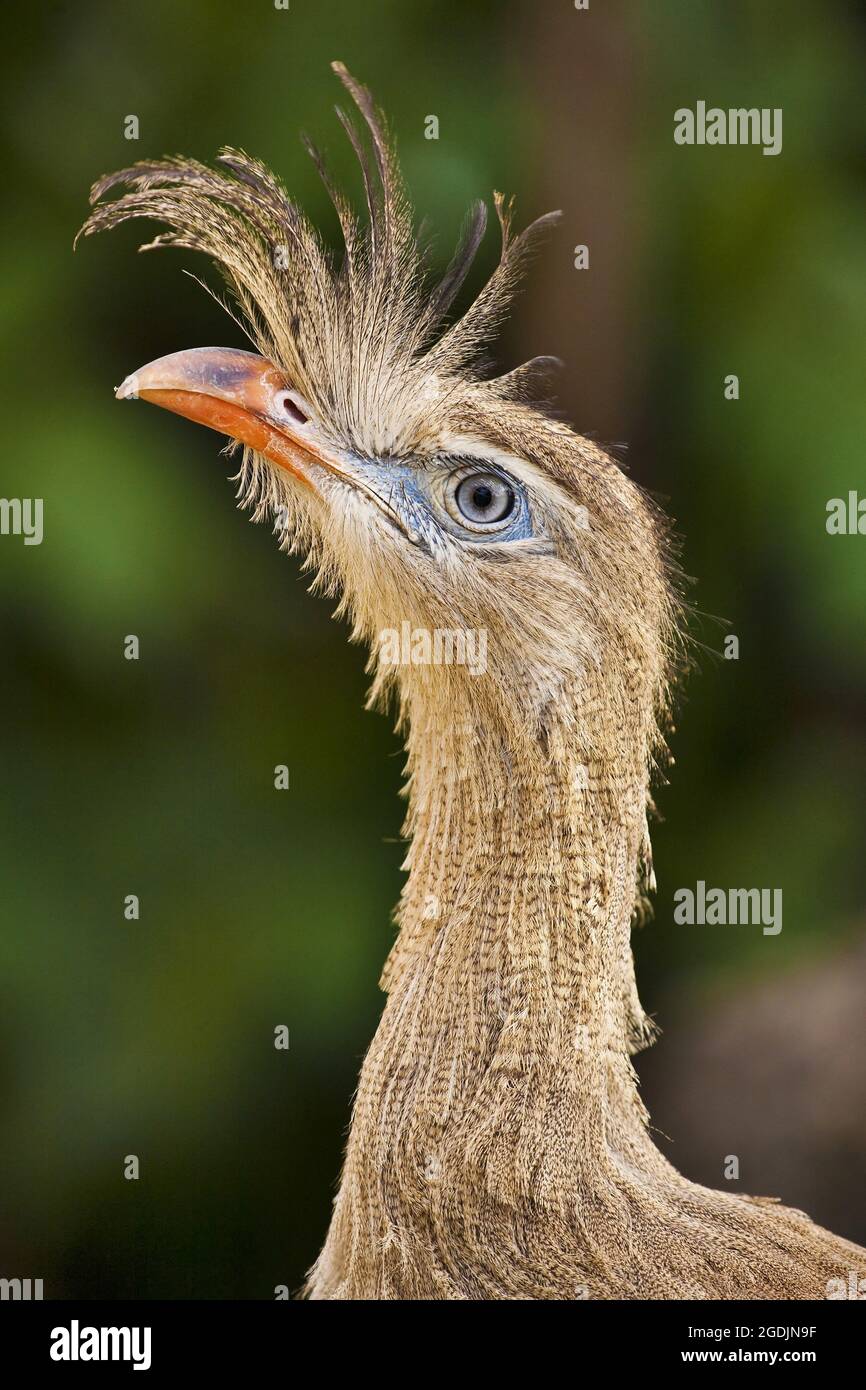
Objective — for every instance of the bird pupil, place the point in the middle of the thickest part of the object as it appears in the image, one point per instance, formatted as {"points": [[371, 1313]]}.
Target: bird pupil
{"points": [[482, 496]]}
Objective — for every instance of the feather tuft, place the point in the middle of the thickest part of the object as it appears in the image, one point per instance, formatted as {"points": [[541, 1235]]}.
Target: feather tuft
{"points": [[357, 335]]}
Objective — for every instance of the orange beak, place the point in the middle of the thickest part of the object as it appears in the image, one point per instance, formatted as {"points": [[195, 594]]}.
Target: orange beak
{"points": [[239, 394]]}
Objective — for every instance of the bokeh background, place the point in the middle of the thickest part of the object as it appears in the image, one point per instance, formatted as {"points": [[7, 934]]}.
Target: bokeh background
{"points": [[156, 777]]}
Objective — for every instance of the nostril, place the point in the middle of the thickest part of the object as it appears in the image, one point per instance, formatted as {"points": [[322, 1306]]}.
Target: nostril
{"points": [[293, 410]]}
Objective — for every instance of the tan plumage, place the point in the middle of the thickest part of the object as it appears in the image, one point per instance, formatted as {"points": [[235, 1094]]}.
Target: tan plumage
{"points": [[499, 1147]]}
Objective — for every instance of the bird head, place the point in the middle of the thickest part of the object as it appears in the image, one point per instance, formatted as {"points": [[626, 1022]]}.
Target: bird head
{"points": [[433, 498]]}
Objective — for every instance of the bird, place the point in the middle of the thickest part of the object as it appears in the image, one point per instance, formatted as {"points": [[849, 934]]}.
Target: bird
{"points": [[499, 1147]]}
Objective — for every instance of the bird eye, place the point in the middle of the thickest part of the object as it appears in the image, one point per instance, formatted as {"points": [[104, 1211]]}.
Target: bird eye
{"points": [[484, 499]]}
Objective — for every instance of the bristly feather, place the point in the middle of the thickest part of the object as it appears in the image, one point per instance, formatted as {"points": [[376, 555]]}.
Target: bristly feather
{"points": [[360, 337]]}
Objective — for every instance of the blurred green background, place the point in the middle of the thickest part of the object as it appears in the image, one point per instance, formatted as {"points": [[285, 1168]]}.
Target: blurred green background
{"points": [[156, 777]]}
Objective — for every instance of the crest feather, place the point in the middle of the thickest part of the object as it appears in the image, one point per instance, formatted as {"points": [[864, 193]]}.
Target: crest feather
{"points": [[357, 335]]}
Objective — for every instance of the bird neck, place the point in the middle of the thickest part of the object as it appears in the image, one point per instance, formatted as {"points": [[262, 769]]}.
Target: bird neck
{"points": [[513, 971]]}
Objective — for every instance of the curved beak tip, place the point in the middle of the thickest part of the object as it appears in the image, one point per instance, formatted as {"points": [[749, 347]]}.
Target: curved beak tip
{"points": [[128, 389]]}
